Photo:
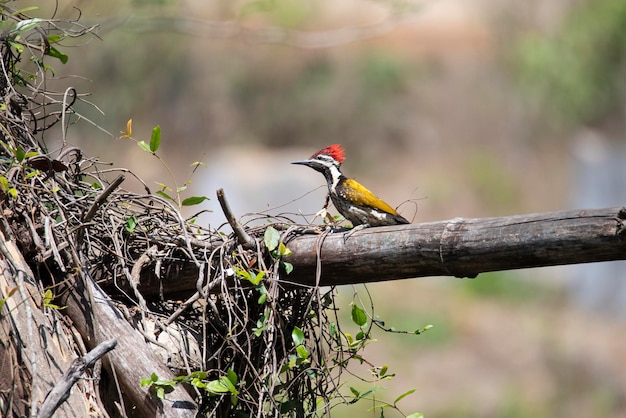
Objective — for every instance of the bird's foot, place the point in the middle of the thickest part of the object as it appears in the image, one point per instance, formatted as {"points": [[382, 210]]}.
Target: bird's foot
{"points": [[353, 230]]}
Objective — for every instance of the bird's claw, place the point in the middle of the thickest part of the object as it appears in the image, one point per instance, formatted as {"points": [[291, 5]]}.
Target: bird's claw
{"points": [[353, 230]]}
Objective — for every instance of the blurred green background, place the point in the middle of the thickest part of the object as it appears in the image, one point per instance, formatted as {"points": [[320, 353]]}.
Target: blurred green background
{"points": [[447, 108]]}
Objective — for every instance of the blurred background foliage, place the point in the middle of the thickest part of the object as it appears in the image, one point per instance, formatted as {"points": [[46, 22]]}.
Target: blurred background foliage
{"points": [[463, 108], [580, 68]]}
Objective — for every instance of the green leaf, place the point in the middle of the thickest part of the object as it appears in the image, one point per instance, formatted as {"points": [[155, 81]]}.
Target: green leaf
{"points": [[194, 200], [354, 391], [302, 352], [242, 274], [261, 324], [404, 395], [283, 250], [144, 146], [131, 224], [383, 370], [200, 374], [332, 328], [225, 380], [54, 38], [155, 139], [419, 331], [4, 183], [271, 238], [19, 154], [163, 186], [53, 52], [28, 24], [217, 386], [198, 383], [287, 266], [415, 415], [250, 275], [358, 316], [18, 47], [232, 376], [47, 297], [263, 298], [165, 195], [370, 391], [147, 382], [297, 336], [256, 278]]}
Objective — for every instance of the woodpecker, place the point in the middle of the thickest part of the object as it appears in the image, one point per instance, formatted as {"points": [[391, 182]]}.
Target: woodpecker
{"points": [[355, 202]]}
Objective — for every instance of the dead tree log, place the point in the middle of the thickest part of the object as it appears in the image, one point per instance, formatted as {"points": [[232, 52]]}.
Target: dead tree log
{"points": [[97, 320], [34, 350], [458, 247]]}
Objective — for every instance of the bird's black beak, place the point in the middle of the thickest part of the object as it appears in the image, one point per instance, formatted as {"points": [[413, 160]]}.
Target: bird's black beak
{"points": [[314, 164], [302, 162]]}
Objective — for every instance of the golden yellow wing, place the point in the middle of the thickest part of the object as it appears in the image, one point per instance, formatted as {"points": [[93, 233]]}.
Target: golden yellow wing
{"points": [[359, 195]]}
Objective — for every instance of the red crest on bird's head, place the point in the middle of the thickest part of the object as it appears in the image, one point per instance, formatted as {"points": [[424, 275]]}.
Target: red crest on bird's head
{"points": [[335, 151]]}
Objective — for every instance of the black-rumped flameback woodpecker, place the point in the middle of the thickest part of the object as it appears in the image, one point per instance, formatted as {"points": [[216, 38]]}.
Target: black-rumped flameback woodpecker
{"points": [[356, 203]]}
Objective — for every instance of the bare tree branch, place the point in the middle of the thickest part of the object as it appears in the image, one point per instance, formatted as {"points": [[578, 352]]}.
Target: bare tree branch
{"points": [[61, 391], [244, 239]]}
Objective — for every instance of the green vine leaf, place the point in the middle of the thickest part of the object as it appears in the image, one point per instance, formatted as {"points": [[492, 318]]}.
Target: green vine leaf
{"points": [[155, 139], [194, 200], [404, 395], [297, 336], [53, 52], [131, 224], [165, 195], [358, 316], [271, 238], [142, 144], [48, 297], [287, 266]]}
